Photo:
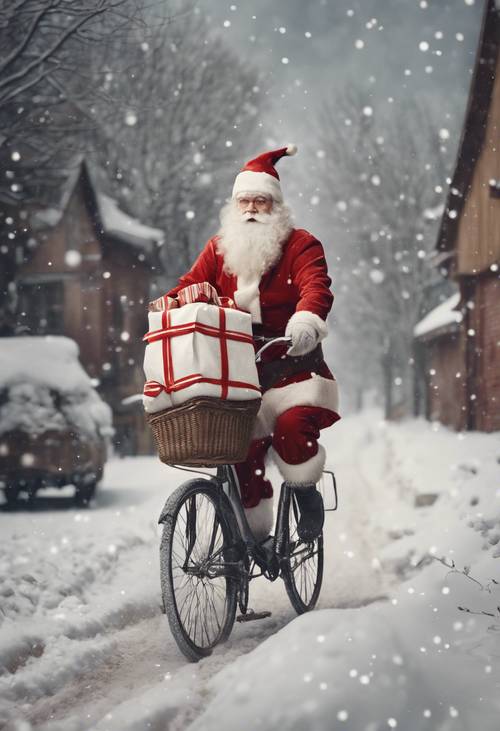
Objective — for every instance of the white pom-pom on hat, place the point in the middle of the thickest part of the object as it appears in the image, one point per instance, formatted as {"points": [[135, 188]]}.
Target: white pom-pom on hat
{"points": [[291, 149]]}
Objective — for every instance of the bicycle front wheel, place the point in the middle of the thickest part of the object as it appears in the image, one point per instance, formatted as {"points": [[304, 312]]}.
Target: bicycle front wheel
{"points": [[199, 594], [302, 565]]}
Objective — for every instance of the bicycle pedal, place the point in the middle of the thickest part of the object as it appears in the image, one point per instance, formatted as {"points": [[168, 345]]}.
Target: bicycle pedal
{"points": [[251, 615]]}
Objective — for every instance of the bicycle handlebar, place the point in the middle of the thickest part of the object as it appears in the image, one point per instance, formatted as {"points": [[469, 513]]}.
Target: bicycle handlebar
{"points": [[271, 341]]}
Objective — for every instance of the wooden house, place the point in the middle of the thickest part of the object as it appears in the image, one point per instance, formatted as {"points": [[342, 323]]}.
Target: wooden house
{"points": [[460, 340], [88, 276]]}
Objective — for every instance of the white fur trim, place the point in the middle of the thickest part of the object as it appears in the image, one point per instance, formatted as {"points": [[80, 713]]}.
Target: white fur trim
{"points": [[247, 297], [315, 391], [260, 518], [260, 428], [291, 149], [303, 473], [252, 182], [308, 318]]}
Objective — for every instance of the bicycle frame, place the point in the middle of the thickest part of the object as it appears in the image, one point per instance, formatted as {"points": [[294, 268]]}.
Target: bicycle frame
{"points": [[268, 559], [268, 556]]}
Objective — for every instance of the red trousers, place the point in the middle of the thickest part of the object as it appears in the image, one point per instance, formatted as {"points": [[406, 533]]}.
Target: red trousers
{"points": [[295, 439]]}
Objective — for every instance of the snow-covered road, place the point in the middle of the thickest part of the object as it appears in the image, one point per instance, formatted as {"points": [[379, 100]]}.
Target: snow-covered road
{"points": [[83, 642]]}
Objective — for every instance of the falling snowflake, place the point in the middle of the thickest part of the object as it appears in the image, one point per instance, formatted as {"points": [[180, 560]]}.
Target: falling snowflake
{"points": [[27, 459], [72, 258], [377, 276]]}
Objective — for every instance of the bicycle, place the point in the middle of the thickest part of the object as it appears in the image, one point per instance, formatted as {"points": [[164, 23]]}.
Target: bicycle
{"points": [[208, 556]]}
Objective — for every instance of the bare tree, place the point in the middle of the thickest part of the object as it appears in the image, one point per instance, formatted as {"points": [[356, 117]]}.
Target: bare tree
{"points": [[170, 150], [46, 101], [45, 97], [383, 172]]}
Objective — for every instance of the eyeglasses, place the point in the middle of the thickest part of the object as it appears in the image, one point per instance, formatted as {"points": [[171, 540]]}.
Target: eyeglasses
{"points": [[260, 201]]}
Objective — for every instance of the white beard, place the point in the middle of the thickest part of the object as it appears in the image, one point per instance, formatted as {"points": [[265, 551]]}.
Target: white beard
{"points": [[251, 248]]}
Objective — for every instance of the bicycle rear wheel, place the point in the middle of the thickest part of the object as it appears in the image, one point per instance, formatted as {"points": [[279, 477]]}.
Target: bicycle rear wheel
{"points": [[198, 592], [302, 565]]}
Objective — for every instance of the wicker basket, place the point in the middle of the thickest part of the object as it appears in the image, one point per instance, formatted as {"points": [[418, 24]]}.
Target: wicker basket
{"points": [[204, 431]]}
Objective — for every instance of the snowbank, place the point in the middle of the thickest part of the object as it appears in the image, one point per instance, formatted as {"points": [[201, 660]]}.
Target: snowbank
{"points": [[44, 387], [414, 661], [84, 646]]}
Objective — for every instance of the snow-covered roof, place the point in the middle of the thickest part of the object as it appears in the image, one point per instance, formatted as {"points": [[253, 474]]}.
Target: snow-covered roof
{"points": [[432, 214], [117, 223], [32, 368], [113, 220], [440, 318]]}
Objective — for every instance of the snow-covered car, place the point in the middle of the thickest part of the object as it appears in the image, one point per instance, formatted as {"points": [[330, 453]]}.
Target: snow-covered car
{"points": [[54, 426]]}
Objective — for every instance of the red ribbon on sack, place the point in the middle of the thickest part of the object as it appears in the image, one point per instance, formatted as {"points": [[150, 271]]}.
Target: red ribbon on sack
{"points": [[168, 331]]}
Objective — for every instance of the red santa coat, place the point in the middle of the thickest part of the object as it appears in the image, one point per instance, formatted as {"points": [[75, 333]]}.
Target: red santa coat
{"points": [[297, 287]]}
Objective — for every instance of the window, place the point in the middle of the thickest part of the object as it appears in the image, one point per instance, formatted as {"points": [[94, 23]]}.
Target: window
{"points": [[43, 303]]}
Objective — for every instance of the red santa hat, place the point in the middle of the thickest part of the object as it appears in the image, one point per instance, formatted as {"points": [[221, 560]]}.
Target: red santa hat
{"points": [[260, 176]]}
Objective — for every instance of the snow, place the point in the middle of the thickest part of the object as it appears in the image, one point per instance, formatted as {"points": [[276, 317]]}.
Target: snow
{"points": [[83, 643], [32, 386], [440, 317], [413, 655], [47, 217], [434, 213], [116, 222]]}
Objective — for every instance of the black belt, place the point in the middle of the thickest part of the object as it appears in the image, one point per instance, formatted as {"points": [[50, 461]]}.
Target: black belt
{"points": [[273, 371]]}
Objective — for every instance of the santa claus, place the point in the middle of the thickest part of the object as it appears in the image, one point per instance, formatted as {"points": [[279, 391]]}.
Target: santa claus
{"points": [[279, 275]]}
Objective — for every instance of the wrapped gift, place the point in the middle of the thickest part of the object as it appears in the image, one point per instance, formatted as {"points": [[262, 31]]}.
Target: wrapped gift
{"points": [[163, 303], [199, 349], [199, 292]]}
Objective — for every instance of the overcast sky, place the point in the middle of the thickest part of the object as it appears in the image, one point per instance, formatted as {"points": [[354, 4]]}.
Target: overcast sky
{"points": [[307, 49]]}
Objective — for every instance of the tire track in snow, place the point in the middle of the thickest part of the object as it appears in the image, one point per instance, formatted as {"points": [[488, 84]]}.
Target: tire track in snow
{"points": [[121, 670]]}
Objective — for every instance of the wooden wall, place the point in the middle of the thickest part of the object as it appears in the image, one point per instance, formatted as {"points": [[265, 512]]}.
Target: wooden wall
{"points": [[446, 394], [478, 236], [484, 355], [94, 314]]}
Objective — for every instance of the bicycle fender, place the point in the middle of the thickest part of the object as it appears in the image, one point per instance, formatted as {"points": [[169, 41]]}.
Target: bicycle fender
{"points": [[171, 500]]}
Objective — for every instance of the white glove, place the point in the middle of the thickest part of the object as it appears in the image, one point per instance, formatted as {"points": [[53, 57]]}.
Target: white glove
{"points": [[304, 338]]}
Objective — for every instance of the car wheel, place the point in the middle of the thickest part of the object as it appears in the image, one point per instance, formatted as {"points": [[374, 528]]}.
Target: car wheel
{"points": [[84, 494], [11, 493]]}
